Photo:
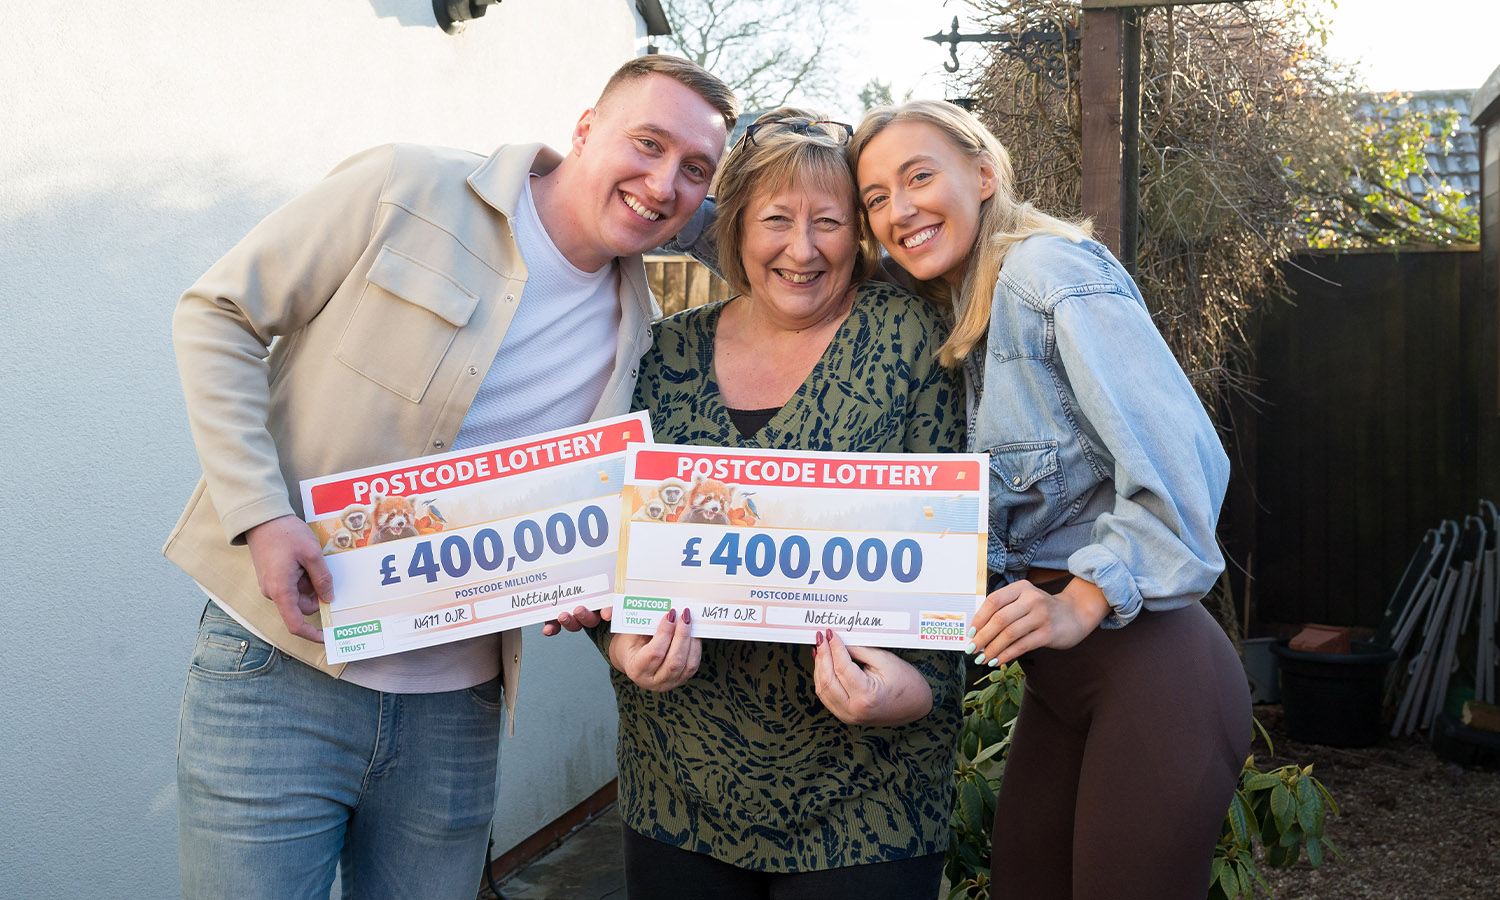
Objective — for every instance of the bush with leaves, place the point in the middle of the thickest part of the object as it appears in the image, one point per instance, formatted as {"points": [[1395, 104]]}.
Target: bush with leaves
{"points": [[989, 715], [1282, 810], [1366, 198]]}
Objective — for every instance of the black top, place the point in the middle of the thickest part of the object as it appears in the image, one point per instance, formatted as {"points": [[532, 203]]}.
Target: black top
{"points": [[748, 421]]}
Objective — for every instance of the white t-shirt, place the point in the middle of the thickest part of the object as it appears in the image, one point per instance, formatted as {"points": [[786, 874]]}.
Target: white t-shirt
{"points": [[557, 356]]}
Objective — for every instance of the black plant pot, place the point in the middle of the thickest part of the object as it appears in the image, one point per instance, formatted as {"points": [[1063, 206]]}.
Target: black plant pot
{"points": [[1333, 698]]}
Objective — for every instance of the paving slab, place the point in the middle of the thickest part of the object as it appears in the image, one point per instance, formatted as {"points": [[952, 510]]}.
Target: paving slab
{"points": [[589, 864]]}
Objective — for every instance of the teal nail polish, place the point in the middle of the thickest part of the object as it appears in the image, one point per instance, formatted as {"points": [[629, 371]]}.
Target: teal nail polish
{"points": [[969, 647], [971, 632], [994, 662], [979, 659]]}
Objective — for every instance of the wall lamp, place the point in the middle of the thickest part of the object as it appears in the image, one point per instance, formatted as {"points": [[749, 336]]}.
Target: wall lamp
{"points": [[452, 14]]}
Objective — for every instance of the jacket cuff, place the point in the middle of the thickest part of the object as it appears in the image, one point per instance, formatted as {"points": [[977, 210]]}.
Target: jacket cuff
{"points": [[244, 518], [1106, 571]]}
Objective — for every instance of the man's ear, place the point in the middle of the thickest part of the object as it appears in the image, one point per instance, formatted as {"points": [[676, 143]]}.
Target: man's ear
{"points": [[582, 129]]}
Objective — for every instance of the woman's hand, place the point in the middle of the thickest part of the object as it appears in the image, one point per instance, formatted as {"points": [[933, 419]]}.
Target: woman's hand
{"points": [[1019, 618], [867, 685], [662, 661]]}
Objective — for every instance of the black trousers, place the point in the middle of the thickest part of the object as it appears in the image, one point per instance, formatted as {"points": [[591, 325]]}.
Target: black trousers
{"points": [[1126, 753], [657, 871]]}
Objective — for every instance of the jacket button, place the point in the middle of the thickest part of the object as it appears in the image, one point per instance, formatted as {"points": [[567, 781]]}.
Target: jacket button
{"points": [[473, 370], [1016, 481], [510, 298], [632, 373], [438, 444]]}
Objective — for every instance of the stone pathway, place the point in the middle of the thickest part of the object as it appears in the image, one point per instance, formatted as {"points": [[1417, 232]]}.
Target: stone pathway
{"points": [[587, 865]]}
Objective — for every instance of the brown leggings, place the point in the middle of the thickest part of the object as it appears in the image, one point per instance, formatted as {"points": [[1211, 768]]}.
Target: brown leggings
{"points": [[1126, 754]]}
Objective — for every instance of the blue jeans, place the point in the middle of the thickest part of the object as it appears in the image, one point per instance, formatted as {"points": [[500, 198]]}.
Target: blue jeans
{"points": [[284, 773]]}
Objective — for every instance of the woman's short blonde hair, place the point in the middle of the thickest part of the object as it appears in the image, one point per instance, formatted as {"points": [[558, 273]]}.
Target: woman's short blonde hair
{"points": [[1004, 219], [776, 160]]}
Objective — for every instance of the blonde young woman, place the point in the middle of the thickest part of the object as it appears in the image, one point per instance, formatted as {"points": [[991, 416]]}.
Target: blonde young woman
{"points": [[1106, 482]]}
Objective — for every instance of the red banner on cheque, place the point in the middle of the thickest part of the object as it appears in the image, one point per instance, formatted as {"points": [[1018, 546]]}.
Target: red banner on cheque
{"points": [[457, 469], [855, 471]]}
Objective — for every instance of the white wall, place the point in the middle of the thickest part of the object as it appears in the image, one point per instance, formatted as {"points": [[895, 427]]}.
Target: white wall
{"points": [[138, 141]]}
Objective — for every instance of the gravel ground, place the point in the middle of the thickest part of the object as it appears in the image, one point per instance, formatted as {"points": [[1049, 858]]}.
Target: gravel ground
{"points": [[1413, 826]]}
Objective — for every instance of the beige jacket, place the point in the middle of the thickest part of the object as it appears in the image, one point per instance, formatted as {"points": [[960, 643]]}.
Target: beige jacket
{"points": [[352, 327]]}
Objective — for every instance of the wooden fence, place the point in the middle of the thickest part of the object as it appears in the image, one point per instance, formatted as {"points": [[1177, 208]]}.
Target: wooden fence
{"points": [[680, 282], [1377, 421]]}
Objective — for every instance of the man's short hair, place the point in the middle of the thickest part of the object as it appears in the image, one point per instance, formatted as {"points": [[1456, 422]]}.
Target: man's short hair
{"points": [[692, 76]]}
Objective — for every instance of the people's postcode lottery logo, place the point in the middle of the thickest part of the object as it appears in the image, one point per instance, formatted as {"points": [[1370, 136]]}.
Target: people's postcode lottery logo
{"points": [[938, 626]]}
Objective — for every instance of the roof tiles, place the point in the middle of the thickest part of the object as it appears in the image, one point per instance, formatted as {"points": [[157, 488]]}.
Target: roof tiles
{"points": [[1458, 166]]}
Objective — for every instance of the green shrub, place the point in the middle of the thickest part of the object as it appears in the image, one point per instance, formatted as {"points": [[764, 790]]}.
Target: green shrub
{"points": [[1283, 810]]}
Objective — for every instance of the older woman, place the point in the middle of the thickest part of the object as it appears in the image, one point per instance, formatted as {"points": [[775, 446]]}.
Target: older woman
{"points": [[752, 769]]}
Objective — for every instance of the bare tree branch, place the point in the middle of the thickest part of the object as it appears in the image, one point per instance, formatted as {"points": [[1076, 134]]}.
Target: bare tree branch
{"points": [[771, 52]]}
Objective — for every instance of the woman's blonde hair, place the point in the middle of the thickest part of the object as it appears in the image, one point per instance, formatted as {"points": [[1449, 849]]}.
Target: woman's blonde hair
{"points": [[1004, 219], [776, 160]]}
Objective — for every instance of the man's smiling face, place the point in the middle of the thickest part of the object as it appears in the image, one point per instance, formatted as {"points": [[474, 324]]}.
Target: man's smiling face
{"points": [[646, 155]]}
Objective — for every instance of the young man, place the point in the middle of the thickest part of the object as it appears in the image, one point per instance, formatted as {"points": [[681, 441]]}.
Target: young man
{"points": [[420, 300]]}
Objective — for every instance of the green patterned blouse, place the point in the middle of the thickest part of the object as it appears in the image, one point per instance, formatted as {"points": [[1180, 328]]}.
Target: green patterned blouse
{"points": [[743, 762]]}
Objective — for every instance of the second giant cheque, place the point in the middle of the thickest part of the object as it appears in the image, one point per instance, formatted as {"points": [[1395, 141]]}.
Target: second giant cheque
{"points": [[888, 549]]}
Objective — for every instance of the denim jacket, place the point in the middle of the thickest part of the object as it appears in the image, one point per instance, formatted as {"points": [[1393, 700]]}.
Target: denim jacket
{"points": [[1103, 461]]}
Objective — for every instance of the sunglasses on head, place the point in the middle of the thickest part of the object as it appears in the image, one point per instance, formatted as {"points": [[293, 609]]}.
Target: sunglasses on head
{"points": [[838, 131]]}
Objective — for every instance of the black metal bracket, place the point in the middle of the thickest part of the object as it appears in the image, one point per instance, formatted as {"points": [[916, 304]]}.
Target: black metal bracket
{"points": [[1042, 50], [451, 14]]}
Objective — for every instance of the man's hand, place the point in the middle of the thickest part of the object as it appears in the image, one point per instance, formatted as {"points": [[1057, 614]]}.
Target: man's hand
{"points": [[290, 569], [868, 685], [1020, 617], [580, 618], [663, 661]]}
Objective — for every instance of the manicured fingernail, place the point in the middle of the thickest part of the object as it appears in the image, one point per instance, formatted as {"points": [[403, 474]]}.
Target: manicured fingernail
{"points": [[994, 662], [979, 659], [687, 616], [672, 615], [830, 635], [969, 646], [819, 641], [971, 634]]}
